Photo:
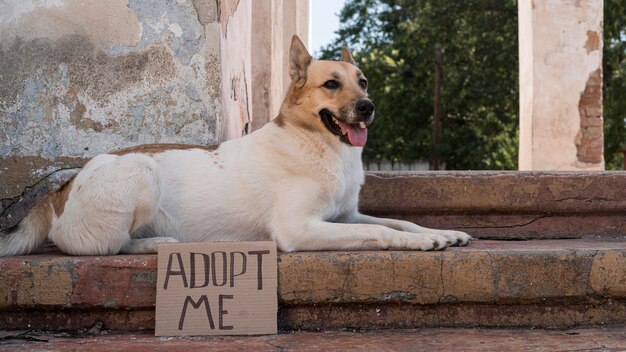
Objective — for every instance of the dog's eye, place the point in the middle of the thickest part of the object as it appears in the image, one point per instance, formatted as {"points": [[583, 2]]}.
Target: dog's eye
{"points": [[363, 83], [331, 84]]}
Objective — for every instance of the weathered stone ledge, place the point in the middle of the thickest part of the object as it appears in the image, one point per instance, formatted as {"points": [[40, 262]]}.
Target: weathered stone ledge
{"points": [[486, 204], [504, 205], [489, 283]]}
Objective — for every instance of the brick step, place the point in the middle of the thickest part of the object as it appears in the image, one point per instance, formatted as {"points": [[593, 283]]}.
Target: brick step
{"points": [[504, 205], [539, 283], [580, 339]]}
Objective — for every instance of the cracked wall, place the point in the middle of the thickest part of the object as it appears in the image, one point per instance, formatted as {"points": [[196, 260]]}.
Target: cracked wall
{"points": [[84, 77], [561, 85]]}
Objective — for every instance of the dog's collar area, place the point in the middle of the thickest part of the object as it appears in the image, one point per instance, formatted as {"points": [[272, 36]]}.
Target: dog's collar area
{"points": [[350, 134]]}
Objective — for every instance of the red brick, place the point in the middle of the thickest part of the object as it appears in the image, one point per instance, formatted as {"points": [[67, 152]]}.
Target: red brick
{"points": [[123, 281], [590, 136], [592, 112]]}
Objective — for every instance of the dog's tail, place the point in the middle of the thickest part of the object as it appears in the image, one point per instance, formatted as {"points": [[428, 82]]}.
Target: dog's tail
{"points": [[30, 233]]}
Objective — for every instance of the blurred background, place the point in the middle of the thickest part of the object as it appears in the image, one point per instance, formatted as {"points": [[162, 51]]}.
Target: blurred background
{"points": [[397, 43]]}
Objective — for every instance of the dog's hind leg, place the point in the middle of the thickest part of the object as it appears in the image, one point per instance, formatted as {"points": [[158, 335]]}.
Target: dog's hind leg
{"points": [[110, 198]]}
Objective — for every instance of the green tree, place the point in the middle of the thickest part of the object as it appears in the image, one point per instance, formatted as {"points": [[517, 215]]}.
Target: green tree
{"points": [[394, 43], [614, 70]]}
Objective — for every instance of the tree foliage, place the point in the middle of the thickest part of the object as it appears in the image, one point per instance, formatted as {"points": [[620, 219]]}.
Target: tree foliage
{"points": [[614, 70], [393, 42]]}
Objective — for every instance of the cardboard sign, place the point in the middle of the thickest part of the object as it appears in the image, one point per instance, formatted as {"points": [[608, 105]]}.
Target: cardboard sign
{"points": [[216, 289]]}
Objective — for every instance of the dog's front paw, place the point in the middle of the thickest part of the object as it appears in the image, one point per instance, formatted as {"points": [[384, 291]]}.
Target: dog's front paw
{"points": [[456, 238], [420, 242]]}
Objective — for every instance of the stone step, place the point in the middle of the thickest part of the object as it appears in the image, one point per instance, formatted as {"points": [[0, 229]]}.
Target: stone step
{"points": [[504, 205], [579, 339], [538, 283], [486, 204]]}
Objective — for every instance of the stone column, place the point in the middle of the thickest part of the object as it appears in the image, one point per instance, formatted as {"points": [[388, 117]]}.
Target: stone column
{"points": [[560, 55], [274, 22]]}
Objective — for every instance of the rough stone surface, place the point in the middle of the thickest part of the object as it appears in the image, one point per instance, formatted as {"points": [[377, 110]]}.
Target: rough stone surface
{"points": [[587, 339], [512, 205], [484, 272], [608, 274], [77, 319], [495, 191], [124, 281], [76, 93], [388, 316], [38, 284], [546, 283]]}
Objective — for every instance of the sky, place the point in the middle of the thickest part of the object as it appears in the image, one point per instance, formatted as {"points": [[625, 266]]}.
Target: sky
{"points": [[324, 22]]}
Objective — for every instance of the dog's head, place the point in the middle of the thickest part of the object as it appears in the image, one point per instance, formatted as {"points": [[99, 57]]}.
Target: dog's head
{"points": [[327, 96]]}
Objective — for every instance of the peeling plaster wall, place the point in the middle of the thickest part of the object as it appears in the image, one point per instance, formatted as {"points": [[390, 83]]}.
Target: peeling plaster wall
{"points": [[83, 77], [560, 85]]}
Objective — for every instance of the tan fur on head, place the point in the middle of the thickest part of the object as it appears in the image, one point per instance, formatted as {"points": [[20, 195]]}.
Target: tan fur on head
{"points": [[307, 96]]}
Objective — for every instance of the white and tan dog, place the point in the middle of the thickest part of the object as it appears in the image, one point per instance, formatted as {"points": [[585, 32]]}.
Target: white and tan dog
{"points": [[295, 181]]}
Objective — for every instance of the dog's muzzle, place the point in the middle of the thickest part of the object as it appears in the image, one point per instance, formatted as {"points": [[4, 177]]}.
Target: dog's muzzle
{"points": [[351, 133]]}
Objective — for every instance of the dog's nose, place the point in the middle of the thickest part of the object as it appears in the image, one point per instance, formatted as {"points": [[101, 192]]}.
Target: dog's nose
{"points": [[364, 108]]}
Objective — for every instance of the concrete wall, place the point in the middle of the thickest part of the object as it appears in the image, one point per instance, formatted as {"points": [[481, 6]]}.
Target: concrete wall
{"points": [[83, 77], [561, 85]]}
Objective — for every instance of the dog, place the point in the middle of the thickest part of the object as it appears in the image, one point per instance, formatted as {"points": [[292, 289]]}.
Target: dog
{"points": [[295, 181]]}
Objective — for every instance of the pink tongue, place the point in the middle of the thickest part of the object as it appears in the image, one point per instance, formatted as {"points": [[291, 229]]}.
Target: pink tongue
{"points": [[356, 135]]}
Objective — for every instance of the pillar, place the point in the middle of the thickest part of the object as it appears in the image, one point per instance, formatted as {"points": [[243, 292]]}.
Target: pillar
{"points": [[560, 59], [274, 22]]}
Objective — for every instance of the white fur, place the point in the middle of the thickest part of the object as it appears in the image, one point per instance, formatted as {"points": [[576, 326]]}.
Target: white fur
{"points": [[279, 183]]}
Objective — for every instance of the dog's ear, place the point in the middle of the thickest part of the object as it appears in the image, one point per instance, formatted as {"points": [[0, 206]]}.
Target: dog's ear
{"points": [[299, 60], [346, 56]]}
